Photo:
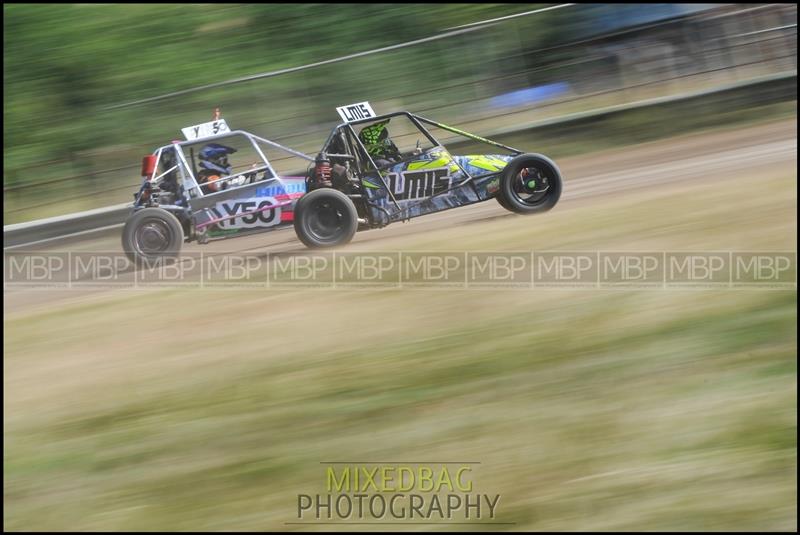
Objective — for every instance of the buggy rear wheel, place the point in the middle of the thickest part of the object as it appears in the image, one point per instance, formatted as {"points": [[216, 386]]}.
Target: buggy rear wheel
{"points": [[150, 234], [325, 218]]}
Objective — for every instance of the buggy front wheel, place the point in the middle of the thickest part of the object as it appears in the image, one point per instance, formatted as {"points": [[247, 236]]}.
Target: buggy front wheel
{"points": [[530, 183], [150, 234]]}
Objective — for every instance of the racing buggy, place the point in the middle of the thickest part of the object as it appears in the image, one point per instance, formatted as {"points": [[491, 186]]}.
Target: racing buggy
{"points": [[365, 178], [191, 191], [360, 180]]}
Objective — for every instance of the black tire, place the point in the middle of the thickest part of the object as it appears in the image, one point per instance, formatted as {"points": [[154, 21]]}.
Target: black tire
{"points": [[325, 217], [539, 193], [501, 202], [150, 234]]}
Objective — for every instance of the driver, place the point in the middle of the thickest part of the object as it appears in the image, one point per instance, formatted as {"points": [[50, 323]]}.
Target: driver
{"points": [[213, 166], [170, 180], [379, 146]]}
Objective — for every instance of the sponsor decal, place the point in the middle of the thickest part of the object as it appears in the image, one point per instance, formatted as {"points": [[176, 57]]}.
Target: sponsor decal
{"points": [[486, 162], [248, 213], [410, 185], [275, 190]]}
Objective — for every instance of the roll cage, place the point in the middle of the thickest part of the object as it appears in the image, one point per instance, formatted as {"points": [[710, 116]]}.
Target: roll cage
{"points": [[344, 137], [186, 171]]}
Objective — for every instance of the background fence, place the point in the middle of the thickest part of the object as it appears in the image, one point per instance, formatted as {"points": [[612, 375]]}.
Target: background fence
{"points": [[482, 80]]}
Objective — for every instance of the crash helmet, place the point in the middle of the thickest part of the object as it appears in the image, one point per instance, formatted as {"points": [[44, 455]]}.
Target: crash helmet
{"points": [[167, 158], [214, 157], [376, 139]]}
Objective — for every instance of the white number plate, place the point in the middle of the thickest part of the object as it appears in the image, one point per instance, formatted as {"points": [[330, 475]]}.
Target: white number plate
{"points": [[356, 112], [206, 129]]}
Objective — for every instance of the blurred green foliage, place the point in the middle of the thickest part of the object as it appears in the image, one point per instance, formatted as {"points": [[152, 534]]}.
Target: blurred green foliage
{"points": [[63, 63]]}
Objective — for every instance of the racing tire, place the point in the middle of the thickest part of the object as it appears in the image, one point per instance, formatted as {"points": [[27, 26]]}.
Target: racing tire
{"points": [[501, 202], [152, 234], [325, 217], [536, 191]]}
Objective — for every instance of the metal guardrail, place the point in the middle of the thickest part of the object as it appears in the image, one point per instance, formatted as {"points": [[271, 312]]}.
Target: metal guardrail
{"points": [[65, 226], [113, 217]]}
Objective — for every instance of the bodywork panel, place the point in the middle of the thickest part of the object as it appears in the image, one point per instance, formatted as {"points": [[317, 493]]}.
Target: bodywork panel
{"points": [[435, 181], [254, 207]]}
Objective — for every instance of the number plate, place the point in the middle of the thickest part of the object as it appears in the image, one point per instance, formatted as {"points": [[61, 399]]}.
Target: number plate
{"points": [[356, 112], [206, 129]]}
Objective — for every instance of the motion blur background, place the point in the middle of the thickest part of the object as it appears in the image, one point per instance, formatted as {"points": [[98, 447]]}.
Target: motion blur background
{"points": [[72, 143], [588, 409]]}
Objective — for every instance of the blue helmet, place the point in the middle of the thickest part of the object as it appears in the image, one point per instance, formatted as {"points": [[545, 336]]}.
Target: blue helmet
{"points": [[214, 157]]}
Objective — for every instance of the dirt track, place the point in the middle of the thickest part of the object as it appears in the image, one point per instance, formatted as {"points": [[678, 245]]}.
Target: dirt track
{"points": [[655, 165]]}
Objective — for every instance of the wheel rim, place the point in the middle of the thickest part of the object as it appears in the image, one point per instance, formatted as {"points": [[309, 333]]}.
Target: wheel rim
{"points": [[531, 185], [152, 236], [325, 220]]}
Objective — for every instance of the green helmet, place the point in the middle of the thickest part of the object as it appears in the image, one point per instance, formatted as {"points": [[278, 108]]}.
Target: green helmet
{"points": [[376, 139]]}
